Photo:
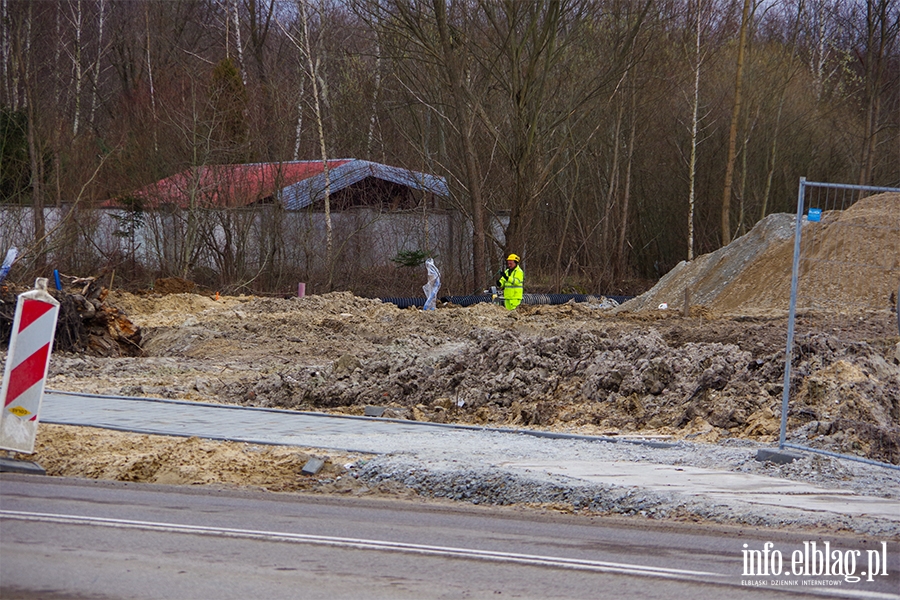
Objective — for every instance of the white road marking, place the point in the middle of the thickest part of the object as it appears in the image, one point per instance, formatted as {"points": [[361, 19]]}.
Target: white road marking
{"points": [[444, 551]]}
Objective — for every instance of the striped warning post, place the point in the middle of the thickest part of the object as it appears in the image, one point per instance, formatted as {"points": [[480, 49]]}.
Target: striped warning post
{"points": [[26, 367]]}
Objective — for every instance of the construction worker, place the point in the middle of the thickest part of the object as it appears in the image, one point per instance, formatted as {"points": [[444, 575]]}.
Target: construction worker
{"points": [[512, 282]]}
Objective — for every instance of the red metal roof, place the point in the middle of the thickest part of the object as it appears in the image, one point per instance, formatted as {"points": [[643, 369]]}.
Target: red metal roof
{"points": [[230, 185]]}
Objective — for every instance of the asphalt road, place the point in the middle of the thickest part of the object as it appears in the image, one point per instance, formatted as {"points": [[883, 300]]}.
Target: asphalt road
{"points": [[75, 539]]}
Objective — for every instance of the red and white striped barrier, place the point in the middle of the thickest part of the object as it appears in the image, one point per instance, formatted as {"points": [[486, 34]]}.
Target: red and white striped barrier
{"points": [[26, 367]]}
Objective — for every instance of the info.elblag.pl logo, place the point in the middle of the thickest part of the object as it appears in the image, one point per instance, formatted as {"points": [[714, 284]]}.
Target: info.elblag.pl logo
{"points": [[811, 563]]}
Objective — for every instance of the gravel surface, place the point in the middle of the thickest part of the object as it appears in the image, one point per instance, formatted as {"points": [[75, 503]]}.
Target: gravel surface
{"points": [[470, 468]]}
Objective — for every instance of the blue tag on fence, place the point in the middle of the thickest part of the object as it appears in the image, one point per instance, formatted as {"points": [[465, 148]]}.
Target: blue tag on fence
{"points": [[815, 214]]}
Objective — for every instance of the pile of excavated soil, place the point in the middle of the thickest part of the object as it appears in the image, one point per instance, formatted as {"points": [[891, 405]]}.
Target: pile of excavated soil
{"points": [[850, 261], [566, 368], [122, 456]]}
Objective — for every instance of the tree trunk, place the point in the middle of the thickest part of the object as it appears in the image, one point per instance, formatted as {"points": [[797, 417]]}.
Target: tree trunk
{"points": [[773, 152], [570, 206], [313, 77], [732, 136], [150, 79], [879, 34], [611, 195], [466, 120], [238, 44], [34, 154], [620, 266], [76, 59], [298, 130], [373, 117], [95, 89], [695, 122], [6, 64]]}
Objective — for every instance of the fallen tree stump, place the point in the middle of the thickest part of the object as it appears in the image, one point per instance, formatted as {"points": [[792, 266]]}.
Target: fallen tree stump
{"points": [[86, 324]]}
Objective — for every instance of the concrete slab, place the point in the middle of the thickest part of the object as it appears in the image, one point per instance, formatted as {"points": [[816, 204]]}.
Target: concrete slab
{"points": [[779, 457], [713, 483], [312, 466]]}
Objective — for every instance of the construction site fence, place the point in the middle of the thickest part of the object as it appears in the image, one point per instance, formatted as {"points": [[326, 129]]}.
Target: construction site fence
{"points": [[825, 274]]}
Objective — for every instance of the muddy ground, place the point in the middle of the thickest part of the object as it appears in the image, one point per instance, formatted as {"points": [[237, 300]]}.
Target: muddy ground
{"points": [[709, 368], [566, 368]]}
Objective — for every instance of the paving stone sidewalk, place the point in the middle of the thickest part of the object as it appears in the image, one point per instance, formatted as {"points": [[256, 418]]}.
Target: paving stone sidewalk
{"points": [[573, 456]]}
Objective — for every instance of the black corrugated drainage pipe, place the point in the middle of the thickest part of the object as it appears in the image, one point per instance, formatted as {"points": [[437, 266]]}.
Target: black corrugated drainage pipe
{"points": [[405, 302], [552, 299]]}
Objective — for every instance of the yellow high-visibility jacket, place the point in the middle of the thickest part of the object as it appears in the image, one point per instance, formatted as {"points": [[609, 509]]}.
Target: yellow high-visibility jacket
{"points": [[513, 283]]}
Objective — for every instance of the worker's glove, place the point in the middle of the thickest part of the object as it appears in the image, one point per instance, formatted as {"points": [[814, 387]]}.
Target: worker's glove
{"points": [[499, 284]]}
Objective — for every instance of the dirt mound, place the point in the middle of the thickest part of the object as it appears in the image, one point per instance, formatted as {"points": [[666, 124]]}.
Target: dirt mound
{"points": [[567, 368], [708, 276], [851, 258], [174, 285]]}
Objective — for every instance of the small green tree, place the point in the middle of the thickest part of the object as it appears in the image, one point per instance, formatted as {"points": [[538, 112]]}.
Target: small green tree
{"points": [[412, 258]]}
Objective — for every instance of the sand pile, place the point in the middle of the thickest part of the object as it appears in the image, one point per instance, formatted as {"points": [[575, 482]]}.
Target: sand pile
{"points": [[851, 261]]}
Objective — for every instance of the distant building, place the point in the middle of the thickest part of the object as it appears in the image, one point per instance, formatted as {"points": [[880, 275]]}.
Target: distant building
{"points": [[296, 184]]}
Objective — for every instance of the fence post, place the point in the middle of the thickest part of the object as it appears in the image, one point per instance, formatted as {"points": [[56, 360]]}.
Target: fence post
{"points": [[795, 276]]}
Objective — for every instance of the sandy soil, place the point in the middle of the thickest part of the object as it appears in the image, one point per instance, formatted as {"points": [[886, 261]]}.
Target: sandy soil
{"points": [[566, 368], [104, 454]]}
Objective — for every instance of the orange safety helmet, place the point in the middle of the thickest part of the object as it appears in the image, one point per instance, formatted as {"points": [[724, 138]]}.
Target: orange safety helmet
{"points": [[514, 257]]}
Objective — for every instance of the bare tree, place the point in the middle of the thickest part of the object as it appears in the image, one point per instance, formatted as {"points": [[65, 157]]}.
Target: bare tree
{"points": [[453, 63], [735, 117], [434, 34], [304, 45], [35, 146], [882, 27], [695, 123], [788, 66]]}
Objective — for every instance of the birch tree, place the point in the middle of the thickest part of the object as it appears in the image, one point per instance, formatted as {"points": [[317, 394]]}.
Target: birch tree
{"points": [[238, 45], [695, 124], [77, 19], [95, 88], [304, 45]]}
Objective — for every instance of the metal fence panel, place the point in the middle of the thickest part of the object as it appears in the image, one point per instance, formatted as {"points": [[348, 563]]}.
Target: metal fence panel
{"points": [[844, 281]]}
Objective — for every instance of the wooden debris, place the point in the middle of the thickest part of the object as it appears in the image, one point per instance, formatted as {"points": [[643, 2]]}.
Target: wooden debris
{"points": [[86, 324]]}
